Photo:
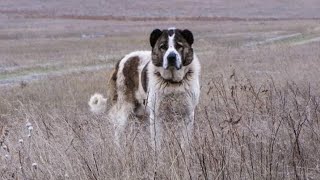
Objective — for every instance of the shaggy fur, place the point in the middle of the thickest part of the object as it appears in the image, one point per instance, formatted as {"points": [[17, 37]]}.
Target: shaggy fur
{"points": [[162, 84]]}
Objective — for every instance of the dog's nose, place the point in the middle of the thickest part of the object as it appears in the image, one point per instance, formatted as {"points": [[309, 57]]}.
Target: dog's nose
{"points": [[172, 59]]}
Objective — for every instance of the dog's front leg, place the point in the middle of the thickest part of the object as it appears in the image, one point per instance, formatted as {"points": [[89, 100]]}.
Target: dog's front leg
{"points": [[187, 131], [155, 132]]}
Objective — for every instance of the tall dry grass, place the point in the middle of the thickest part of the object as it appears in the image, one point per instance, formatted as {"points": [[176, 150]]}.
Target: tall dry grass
{"points": [[242, 131]]}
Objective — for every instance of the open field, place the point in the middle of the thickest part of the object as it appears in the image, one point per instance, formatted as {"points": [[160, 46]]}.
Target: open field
{"points": [[258, 117]]}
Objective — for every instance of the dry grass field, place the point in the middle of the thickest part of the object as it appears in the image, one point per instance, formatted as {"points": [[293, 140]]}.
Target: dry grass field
{"points": [[258, 117]]}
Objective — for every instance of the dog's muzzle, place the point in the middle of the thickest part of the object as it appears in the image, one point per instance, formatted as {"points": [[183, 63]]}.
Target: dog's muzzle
{"points": [[172, 61]]}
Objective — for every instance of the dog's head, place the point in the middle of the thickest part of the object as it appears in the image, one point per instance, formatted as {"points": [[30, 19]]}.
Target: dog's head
{"points": [[171, 53]]}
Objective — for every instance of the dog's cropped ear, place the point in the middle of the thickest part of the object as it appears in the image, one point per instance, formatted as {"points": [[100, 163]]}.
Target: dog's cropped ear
{"points": [[188, 36], [154, 36]]}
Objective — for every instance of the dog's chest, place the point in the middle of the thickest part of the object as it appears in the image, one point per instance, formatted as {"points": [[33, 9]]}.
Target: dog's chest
{"points": [[174, 106]]}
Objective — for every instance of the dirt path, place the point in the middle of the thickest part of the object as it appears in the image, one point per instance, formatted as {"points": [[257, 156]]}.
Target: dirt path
{"points": [[271, 40], [54, 15], [15, 79], [316, 39]]}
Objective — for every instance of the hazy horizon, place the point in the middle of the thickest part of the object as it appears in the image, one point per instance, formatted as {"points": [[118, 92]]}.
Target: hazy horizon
{"points": [[178, 8]]}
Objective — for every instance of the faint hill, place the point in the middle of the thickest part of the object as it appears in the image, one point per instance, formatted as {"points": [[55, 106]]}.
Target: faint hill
{"points": [[172, 8]]}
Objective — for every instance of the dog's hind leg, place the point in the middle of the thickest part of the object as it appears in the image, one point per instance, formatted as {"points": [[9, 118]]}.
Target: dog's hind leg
{"points": [[119, 127], [119, 115], [187, 132]]}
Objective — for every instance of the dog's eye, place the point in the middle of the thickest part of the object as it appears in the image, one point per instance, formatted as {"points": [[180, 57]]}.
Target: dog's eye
{"points": [[163, 46], [179, 45]]}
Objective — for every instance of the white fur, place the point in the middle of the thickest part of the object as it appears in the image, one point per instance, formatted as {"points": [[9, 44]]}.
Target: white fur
{"points": [[170, 49], [120, 112], [157, 92]]}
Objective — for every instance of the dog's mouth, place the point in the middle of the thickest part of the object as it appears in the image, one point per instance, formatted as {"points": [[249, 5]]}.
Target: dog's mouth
{"points": [[172, 79]]}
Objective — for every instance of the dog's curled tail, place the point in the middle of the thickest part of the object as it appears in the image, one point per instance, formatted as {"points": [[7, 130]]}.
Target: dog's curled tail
{"points": [[97, 103]]}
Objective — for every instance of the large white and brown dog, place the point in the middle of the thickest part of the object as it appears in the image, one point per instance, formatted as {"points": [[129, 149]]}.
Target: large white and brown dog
{"points": [[162, 85]]}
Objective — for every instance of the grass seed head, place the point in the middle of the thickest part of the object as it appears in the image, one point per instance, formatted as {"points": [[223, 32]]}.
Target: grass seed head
{"points": [[35, 165], [28, 124]]}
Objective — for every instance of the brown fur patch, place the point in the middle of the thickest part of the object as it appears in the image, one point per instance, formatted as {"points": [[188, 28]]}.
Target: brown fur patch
{"points": [[144, 78], [186, 52], [112, 94], [157, 53], [115, 72], [131, 78], [187, 56]]}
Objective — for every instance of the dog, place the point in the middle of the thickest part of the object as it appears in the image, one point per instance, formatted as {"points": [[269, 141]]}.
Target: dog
{"points": [[158, 85]]}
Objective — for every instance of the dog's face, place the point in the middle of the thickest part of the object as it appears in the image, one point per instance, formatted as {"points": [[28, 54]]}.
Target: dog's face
{"points": [[171, 53]]}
